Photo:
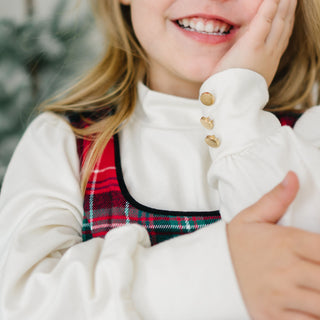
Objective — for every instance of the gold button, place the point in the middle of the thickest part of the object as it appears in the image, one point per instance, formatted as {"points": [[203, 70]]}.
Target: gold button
{"points": [[212, 141], [207, 123], [207, 99]]}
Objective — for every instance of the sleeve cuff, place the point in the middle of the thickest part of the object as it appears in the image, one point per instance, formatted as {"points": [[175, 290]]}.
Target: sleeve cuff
{"points": [[233, 100], [189, 277]]}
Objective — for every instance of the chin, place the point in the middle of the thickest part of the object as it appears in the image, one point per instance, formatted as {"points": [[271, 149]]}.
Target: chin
{"points": [[198, 71], [198, 77]]}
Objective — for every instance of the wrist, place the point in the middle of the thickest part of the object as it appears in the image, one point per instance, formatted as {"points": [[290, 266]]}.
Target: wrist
{"points": [[233, 101]]}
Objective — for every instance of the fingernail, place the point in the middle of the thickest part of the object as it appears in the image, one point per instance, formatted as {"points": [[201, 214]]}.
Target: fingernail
{"points": [[285, 181]]}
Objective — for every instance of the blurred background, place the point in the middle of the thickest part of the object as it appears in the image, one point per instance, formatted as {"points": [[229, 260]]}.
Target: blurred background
{"points": [[45, 45]]}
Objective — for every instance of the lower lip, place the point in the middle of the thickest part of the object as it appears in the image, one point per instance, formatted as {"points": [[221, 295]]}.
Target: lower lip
{"points": [[207, 38]]}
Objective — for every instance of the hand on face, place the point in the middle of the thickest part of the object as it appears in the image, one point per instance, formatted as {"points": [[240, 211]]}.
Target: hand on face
{"points": [[262, 45]]}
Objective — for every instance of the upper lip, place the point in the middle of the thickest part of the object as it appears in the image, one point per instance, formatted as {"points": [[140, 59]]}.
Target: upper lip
{"points": [[208, 17]]}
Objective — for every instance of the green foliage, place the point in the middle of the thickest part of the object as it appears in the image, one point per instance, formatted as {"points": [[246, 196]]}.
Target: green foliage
{"points": [[37, 59]]}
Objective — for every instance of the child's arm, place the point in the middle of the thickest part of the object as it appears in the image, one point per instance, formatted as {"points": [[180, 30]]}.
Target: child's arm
{"points": [[47, 272], [255, 153]]}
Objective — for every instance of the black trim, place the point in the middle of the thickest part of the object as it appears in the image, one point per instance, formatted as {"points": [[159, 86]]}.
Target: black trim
{"points": [[142, 207]]}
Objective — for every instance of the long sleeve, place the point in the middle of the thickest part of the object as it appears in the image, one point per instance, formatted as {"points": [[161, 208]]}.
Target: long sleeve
{"points": [[47, 272], [255, 152]]}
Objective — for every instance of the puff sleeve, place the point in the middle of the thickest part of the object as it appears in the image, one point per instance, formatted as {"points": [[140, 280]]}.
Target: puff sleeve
{"points": [[256, 152], [47, 272]]}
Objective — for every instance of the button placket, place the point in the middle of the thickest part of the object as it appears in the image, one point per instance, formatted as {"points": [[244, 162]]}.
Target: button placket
{"points": [[208, 100]]}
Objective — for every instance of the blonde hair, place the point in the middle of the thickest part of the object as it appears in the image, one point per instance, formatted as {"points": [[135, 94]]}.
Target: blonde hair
{"points": [[109, 90]]}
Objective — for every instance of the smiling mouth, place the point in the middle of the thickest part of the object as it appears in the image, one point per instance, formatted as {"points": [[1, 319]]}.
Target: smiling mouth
{"points": [[205, 26]]}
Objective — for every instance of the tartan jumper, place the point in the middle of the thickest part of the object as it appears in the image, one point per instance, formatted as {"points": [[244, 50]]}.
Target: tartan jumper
{"points": [[108, 204]]}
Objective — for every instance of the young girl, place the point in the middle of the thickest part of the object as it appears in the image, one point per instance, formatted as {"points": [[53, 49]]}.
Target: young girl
{"points": [[132, 129]]}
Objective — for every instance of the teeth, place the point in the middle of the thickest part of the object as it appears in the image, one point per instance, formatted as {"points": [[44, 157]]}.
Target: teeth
{"points": [[200, 26], [209, 27], [205, 26], [223, 29], [185, 22]]}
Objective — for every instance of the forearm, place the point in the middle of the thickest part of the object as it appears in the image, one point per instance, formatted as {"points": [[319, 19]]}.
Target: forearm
{"points": [[46, 270], [255, 152]]}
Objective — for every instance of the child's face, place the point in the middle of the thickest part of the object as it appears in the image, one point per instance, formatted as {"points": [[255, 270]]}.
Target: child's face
{"points": [[180, 58]]}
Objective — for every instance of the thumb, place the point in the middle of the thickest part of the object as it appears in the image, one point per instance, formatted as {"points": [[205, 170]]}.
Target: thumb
{"points": [[273, 205]]}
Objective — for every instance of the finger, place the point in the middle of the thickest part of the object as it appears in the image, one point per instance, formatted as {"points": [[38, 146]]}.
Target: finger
{"points": [[262, 22], [282, 25], [272, 206], [295, 315], [307, 246], [306, 301], [310, 278], [279, 22], [285, 37]]}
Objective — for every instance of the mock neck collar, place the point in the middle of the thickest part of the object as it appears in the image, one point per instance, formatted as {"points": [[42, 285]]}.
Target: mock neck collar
{"points": [[166, 111]]}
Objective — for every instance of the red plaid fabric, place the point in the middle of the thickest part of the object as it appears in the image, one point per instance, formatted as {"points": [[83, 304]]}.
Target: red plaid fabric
{"points": [[108, 204]]}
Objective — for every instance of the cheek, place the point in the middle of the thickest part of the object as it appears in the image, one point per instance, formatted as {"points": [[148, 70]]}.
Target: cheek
{"points": [[144, 21], [250, 8]]}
